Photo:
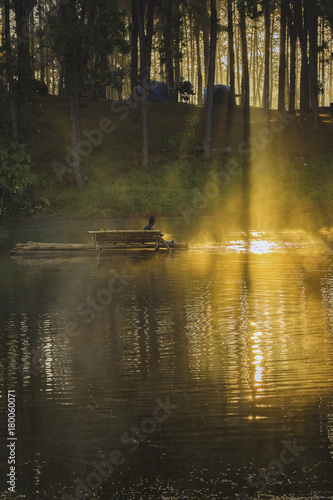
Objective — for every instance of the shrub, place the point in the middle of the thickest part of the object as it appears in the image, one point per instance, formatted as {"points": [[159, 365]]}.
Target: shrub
{"points": [[185, 88], [15, 178]]}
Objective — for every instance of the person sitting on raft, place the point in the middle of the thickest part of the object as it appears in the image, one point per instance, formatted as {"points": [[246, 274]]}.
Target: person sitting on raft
{"points": [[149, 226]]}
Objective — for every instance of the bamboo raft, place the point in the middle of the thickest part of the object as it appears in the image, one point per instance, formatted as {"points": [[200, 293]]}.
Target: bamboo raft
{"points": [[104, 240]]}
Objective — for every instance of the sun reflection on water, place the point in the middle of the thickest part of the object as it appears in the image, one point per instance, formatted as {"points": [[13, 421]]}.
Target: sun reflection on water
{"points": [[253, 246]]}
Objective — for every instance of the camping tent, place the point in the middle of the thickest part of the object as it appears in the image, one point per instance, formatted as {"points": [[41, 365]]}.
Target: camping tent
{"points": [[158, 91], [221, 95]]}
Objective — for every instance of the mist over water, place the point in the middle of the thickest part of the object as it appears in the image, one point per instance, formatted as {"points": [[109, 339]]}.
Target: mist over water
{"points": [[235, 335]]}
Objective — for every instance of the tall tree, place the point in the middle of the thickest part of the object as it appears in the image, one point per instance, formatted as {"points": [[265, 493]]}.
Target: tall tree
{"points": [[231, 52], [134, 45], [167, 11], [301, 19], [177, 42], [199, 70], [282, 55], [211, 77], [9, 71], [255, 69], [170, 47], [41, 18], [313, 61], [204, 16], [145, 36], [72, 62], [245, 66], [267, 14], [292, 63], [22, 9]]}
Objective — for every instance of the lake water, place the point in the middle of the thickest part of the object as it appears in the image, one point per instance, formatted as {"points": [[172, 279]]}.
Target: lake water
{"points": [[205, 374]]}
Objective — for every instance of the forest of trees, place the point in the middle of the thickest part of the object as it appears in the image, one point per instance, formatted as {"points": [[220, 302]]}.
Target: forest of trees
{"points": [[272, 53]]}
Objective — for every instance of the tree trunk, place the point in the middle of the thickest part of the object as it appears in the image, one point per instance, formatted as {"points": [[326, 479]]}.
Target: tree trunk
{"points": [[297, 77], [331, 73], [53, 77], [61, 70], [238, 63], [292, 72], [322, 61], [267, 57], [186, 29], [32, 41], [134, 46], [251, 54], [192, 42], [302, 29], [271, 70], [177, 51], [255, 64], [168, 44], [205, 30], [143, 84], [9, 71], [145, 62], [305, 76], [245, 68], [41, 13], [197, 39], [313, 61], [210, 85], [75, 134], [23, 53], [292, 30], [47, 78], [282, 62], [72, 59], [231, 53], [287, 82]]}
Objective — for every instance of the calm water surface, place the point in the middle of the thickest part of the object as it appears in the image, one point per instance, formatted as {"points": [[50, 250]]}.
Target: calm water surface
{"points": [[201, 374]]}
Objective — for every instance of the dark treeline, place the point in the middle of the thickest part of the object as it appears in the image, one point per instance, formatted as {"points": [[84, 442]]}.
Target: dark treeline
{"points": [[272, 54]]}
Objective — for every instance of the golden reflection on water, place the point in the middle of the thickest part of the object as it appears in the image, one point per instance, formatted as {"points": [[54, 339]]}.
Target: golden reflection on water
{"points": [[275, 324], [257, 321], [241, 332], [255, 246]]}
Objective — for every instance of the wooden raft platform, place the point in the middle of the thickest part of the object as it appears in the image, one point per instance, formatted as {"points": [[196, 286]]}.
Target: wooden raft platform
{"points": [[103, 241], [126, 237]]}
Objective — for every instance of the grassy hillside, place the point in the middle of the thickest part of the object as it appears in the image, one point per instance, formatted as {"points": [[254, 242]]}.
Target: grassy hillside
{"points": [[287, 161]]}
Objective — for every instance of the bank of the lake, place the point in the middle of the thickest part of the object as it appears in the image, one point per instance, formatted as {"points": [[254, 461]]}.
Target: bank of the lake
{"points": [[287, 168]]}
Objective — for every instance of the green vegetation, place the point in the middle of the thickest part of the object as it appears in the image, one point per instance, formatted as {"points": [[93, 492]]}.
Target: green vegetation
{"points": [[291, 166], [15, 178], [292, 191]]}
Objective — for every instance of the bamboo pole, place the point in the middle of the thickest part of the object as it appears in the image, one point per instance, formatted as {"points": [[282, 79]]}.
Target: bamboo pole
{"points": [[54, 248]]}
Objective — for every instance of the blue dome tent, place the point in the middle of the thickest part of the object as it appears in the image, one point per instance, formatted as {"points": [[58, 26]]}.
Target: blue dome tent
{"points": [[158, 91], [221, 95]]}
